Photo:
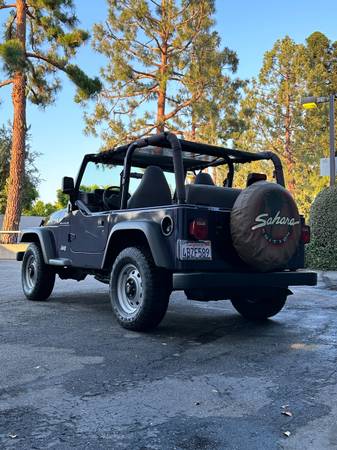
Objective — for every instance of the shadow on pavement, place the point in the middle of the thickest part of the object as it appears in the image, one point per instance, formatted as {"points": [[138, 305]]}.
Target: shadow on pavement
{"points": [[184, 319]]}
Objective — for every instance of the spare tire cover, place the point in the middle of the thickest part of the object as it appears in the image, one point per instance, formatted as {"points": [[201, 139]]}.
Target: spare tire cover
{"points": [[265, 226]]}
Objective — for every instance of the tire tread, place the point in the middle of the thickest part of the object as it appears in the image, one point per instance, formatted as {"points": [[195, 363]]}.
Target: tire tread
{"points": [[157, 289], [260, 310], [45, 276]]}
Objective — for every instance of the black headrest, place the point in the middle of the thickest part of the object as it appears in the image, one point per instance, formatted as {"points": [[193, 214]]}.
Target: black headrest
{"points": [[204, 178], [254, 177], [153, 190]]}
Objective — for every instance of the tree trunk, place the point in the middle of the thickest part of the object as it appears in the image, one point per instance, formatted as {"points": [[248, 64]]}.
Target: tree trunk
{"points": [[193, 128], [289, 159], [289, 150], [163, 81], [17, 163], [288, 144], [162, 93]]}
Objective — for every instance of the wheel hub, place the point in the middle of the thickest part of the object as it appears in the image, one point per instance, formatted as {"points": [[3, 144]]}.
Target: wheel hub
{"points": [[31, 272], [129, 290]]}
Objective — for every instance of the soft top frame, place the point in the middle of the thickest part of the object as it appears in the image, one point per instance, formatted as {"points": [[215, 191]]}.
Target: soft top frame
{"points": [[177, 157], [221, 155]]}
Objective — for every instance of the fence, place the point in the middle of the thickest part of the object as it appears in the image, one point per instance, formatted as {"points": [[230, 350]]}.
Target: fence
{"points": [[15, 234], [25, 222]]}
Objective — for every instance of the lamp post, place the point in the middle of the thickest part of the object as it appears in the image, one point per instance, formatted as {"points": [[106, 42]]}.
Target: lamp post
{"points": [[332, 139], [312, 102]]}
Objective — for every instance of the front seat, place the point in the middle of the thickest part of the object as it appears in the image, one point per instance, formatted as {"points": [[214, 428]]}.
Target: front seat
{"points": [[153, 190], [204, 178]]}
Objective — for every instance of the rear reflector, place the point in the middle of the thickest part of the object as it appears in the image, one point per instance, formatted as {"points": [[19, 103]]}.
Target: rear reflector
{"points": [[305, 236], [199, 229]]}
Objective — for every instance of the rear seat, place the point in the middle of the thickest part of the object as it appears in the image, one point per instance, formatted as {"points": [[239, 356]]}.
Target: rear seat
{"points": [[221, 197]]}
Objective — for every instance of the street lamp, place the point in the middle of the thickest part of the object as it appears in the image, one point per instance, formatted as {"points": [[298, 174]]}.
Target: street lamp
{"points": [[312, 102]]}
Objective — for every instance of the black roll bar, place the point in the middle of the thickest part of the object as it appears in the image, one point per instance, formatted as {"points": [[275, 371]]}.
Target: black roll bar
{"points": [[178, 165], [158, 140], [279, 175]]}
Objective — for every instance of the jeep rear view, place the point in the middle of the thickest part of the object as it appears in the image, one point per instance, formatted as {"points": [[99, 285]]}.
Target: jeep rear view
{"points": [[147, 218]]}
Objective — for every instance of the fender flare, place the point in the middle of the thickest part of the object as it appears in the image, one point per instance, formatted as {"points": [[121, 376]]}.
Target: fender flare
{"points": [[157, 242], [44, 237]]}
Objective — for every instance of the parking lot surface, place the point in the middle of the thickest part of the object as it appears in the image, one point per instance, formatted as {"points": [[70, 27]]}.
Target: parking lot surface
{"points": [[70, 377]]}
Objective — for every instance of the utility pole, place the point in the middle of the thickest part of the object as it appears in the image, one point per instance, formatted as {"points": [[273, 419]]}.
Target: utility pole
{"points": [[312, 102]]}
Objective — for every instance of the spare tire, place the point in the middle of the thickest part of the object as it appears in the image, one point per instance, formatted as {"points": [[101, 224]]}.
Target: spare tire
{"points": [[265, 226]]}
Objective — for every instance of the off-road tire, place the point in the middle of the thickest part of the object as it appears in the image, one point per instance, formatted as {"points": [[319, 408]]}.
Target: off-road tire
{"points": [[151, 287], [37, 278], [259, 309]]}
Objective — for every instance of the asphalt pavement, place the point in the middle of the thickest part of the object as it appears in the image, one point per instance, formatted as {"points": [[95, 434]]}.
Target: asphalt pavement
{"points": [[70, 377]]}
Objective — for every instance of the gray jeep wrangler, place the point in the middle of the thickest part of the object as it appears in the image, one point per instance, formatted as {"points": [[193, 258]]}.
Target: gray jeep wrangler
{"points": [[135, 223]]}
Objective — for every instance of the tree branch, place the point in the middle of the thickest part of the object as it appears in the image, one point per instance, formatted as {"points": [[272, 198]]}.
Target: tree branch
{"points": [[47, 60], [121, 96], [143, 74], [10, 26], [155, 3], [4, 83], [132, 108], [181, 106], [30, 14], [13, 5]]}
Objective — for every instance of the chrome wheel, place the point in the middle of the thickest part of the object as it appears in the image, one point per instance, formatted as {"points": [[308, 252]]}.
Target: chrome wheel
{"points": [[129, 290], [31, 272]]}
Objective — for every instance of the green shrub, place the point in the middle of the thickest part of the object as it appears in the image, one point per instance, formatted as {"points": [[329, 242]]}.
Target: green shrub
{"points": [[321, 253]]}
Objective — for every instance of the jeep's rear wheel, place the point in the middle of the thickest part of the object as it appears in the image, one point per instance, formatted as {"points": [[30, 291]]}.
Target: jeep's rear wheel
{"points": [[257, 308], [139, 291], [37, 278]]}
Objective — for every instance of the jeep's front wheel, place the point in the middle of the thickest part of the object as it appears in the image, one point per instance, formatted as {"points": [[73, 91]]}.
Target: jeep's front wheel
{"points": [[37, 278], [257, 308], [139, 291]]}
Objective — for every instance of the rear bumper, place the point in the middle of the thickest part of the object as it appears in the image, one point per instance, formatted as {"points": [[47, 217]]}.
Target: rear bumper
{"points": [[198, 280]]}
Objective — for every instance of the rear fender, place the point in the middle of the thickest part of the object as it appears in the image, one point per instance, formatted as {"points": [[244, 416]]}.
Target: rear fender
{"points": [[149, 232], [44, 238]]}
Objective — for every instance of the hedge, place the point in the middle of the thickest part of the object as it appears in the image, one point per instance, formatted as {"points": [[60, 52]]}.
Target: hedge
{"points": [[321, 253]]}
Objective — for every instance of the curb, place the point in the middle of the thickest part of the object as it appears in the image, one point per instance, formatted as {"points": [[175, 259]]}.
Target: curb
{"points": [[9, 251], [327, 278]]}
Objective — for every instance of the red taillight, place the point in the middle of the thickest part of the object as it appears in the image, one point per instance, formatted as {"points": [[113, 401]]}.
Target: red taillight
{"points": [[199, 229], [305, 236]]}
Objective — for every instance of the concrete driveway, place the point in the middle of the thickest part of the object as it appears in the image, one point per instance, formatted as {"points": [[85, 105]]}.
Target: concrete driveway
{"points": [[70, 377]]}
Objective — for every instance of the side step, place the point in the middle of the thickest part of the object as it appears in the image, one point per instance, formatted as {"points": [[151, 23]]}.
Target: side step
{"points": [[61, 262]]}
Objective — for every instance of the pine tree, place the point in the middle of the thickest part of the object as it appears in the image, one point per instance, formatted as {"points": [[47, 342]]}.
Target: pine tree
{"points": [[41, 37], [274, 117], [213, 117], [272, 103], [321, 80], [31, 177], [163, 60]]}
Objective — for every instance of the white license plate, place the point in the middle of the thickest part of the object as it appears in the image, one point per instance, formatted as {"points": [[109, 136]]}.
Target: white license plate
{"points": [[188, 250]]}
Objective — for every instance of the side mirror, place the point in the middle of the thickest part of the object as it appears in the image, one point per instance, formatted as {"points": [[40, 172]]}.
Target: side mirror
{"points": [[68, 185]]}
